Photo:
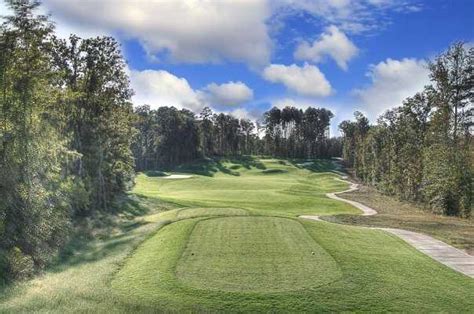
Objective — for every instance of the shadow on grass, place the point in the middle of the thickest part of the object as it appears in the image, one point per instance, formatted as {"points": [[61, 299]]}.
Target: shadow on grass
{"points": [[86, 249], [132, 205], [274, 171], [104, 234], [315, 165], [155, 173], [210, 166]]}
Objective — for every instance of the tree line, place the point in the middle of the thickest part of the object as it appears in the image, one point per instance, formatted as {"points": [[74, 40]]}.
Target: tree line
{"points": [[294, 133], [168, 136], [66, 127], [423, 151]]}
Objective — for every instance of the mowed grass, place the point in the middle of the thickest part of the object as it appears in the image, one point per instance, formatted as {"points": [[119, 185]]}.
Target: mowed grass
{"points": [[361, 270], [292, 190], [254, 254], [245, 251]]}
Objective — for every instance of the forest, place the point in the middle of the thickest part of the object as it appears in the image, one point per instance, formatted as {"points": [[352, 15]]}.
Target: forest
{"points": [[168, 137], [423, 151], [65, 135], [71, 140]]}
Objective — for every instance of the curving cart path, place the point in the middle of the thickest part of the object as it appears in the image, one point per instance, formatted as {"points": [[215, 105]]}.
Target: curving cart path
{"points": [[444, 253]]}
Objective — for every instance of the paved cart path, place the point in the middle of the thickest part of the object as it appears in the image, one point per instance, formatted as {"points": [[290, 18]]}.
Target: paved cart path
{"points": [[436, 249]]}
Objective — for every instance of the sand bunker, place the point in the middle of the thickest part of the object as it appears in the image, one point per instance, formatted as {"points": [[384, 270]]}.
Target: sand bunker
{"points": [[177, 176]]}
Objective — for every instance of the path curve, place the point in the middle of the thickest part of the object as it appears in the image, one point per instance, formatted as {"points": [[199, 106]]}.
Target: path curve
{"points": [[366, 210], [444, 253]]}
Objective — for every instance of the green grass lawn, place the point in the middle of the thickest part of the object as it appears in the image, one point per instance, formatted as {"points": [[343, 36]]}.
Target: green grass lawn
{"points": [[291, 191], [254, 254], [230, 240]]}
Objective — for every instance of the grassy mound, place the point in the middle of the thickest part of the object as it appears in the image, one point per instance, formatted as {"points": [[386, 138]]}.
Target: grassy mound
{"points": [[360, 270], [254, 254], [186, 213]]}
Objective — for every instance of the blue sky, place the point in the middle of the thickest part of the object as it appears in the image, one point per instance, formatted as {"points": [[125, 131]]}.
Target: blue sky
{"points": [[245, 56]]}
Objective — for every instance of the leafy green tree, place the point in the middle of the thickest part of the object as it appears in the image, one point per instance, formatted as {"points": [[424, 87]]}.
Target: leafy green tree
{"points": [[422, 150], [34, 211], [100, 117], [207, 132], [65, 135], [449, 170], [290, 132]]}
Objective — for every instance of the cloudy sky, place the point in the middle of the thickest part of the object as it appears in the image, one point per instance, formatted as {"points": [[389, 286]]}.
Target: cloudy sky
{"points": [[244, 56]]}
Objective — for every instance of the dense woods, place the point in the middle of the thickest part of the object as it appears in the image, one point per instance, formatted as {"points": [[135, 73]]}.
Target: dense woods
{"points": [[423, 151], [168, 137], [65, 135], [295, 133]]}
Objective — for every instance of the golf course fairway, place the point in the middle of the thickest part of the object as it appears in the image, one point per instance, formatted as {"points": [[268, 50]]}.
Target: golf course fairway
{"points": [[236, 244], [226, 236]]}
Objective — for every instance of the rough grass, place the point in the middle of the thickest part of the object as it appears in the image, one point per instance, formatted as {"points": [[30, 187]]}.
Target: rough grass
{"points": [[145, 263], [80, 280], [396, 214]]}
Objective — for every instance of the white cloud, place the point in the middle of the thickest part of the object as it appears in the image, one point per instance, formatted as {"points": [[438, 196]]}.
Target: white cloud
{"points": [[4, 10], [194, 31], [227, 94], [242, 113], [161, 88], [332, 43], [63, 27], [307, 80], [392, 81], [201, 31], [353, 16]]}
